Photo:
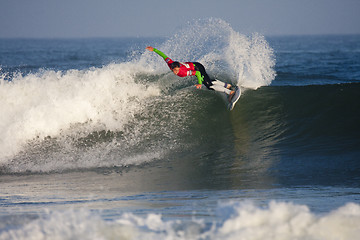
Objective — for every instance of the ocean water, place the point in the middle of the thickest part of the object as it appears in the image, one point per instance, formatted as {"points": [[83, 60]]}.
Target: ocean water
{"points": [[99, 140]]}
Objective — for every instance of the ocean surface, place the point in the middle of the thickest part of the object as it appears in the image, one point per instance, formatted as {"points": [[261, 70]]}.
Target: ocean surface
{"points": [[99, 140]]}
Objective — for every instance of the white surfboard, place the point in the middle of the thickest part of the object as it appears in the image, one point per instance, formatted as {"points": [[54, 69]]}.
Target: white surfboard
{"points": [[235, 98]]}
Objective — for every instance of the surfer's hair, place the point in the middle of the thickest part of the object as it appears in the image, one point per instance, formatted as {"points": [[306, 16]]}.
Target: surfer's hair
{"points": [[174, 65]]}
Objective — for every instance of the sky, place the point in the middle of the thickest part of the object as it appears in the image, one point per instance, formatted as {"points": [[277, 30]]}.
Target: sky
{"points": [[161, 18]]}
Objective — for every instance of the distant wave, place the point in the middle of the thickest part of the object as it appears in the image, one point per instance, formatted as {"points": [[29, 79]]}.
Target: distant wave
{"points": [[237, 220]]}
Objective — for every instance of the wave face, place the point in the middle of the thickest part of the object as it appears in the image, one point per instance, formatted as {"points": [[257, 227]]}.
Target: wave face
{"points": [[122, 113], [305, 134]]}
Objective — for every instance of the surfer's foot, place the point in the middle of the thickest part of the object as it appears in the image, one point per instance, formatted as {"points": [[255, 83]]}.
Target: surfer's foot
{"points": [[231, 95], [228, 86]]}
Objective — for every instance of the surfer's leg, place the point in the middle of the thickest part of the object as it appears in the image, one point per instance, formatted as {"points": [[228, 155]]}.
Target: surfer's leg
{"points": [[220, 87], [206, 79], [212, 84], [231, 95]]}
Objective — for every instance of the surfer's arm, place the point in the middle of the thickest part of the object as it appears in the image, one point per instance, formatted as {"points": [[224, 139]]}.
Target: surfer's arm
{"points": [[158, 52], [161, 54], [200, 79]]}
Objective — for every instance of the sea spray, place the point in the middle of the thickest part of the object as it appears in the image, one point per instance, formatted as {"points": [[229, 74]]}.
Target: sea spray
{"points": [[247, 61]]}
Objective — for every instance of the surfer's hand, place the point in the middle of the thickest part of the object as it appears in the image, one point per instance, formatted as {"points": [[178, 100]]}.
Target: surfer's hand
{"points": [[150, 48], [198, 86]]}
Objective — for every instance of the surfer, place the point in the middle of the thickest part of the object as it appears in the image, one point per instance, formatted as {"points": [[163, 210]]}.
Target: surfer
{"points": [[195, 69]]}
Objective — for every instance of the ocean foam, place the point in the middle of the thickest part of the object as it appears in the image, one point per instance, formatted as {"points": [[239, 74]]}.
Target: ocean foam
{"points": [[289, 221], [47, 103], [237, 220]]}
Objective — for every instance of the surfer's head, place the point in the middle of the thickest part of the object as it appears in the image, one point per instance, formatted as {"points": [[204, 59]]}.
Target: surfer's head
{"points": [[175, 67]]}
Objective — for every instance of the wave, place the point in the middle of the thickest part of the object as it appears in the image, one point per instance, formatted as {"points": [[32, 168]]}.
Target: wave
{"points": [[244, 220], [122, 113], [308, 124]]}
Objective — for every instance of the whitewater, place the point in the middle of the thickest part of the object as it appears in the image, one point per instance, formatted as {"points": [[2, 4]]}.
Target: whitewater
{"points": [[99, 140]]}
